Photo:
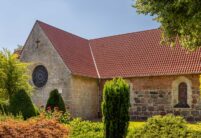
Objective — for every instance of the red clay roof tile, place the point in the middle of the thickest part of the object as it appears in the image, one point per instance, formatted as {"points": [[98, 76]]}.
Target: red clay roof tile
{"points": [[74, 50], [127, 55]]}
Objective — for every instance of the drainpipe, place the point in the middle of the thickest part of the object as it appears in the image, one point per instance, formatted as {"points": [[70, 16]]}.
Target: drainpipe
{"points": [[99, 98]]}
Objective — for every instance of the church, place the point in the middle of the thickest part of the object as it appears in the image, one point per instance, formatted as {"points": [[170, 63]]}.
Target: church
{"points": [[162, 79]]}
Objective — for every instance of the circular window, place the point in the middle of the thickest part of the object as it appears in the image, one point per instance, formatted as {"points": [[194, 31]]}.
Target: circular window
{"points": [[40, 76]]}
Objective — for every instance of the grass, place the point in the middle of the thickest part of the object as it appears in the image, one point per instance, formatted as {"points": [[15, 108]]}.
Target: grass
{"points": [[83, 129]]}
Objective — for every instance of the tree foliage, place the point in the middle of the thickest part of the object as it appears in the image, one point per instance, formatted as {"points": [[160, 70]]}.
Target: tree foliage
{"points": [[19, 48], [115, 108], [20, 103], [13, 74], [4, 105], [180, 19], [55, 100]]}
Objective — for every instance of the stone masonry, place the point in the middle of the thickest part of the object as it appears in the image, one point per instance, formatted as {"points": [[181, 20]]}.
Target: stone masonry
{"points": [[155, 96]]}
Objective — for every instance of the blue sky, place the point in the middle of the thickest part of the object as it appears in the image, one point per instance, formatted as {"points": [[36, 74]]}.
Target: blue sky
{"points": [[86, 18]]}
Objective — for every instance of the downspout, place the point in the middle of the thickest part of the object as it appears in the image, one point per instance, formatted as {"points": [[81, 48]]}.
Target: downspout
{"points": [[99, 99], [99, 81]]}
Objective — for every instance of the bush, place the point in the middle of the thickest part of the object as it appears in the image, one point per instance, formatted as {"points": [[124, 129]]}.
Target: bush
{"points": [[86, 129], [34, 128], [55, 100], [168, 126], [194, 130], [59, 116], [115, 108], [37, 111], [3, 107], [13, 74], [20, 102], [9, 116]]}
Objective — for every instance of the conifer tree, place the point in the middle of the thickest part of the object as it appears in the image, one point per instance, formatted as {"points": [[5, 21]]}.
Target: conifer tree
{"points": [[20, 103], [55, 100], [115, 108]]}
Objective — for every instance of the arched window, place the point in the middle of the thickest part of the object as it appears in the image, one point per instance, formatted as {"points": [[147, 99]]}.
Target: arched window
{"points": [[182, 96]]}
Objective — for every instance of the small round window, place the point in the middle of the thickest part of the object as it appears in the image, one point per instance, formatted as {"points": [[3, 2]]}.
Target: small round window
{"points": [[40, 76]]}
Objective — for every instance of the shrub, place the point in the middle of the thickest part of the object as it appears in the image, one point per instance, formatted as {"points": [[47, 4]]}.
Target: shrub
{"points": [[55, 100], [13, 74], [168, 126], [86, 129], [57, 115], [20, 102], [37, 111], [36, 127], [9, 116], [115, 108], [194, 130], [3, 107]]}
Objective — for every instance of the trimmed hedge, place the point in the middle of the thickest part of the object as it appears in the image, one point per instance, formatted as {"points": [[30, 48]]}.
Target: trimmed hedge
{"points": [[55, 100], [20, 103]]}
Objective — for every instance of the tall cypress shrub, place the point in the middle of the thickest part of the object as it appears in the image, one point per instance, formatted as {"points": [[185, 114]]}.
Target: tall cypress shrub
{"points": [[20, 103], [115, 108], [55, 100]]}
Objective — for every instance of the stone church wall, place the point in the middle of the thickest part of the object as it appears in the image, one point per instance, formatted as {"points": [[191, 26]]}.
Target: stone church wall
{"points": [[84, 96], [80, 94], [158, 95], [45, 54]]}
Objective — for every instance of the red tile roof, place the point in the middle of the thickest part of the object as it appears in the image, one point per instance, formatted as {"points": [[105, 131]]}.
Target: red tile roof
{"points": [[74, 50], [127, 55]]}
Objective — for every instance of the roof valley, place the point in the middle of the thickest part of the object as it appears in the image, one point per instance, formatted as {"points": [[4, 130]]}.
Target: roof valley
{"points": [[94, 61]]}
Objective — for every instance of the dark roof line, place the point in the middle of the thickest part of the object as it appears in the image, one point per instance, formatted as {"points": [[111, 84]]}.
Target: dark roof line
{"points": [[117, 35], [61, 29], [97, 37]]}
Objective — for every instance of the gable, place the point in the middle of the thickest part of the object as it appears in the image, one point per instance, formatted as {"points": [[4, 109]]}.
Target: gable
{"points": [[42, 53], [74, 50]]}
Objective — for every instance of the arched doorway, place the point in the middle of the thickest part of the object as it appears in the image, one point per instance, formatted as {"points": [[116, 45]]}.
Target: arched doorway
{"points": [[182, 96]]}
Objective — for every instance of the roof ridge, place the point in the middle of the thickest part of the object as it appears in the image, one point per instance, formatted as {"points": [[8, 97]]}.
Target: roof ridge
{"points": [[124, 34], [98, 37], [60, 29]]}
